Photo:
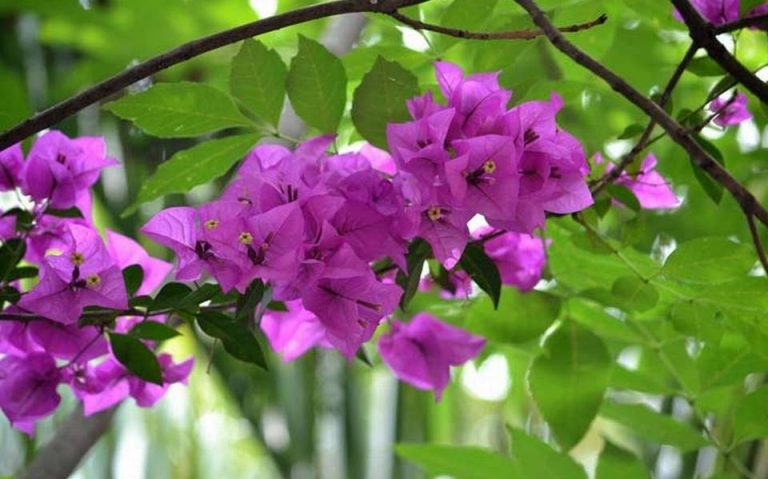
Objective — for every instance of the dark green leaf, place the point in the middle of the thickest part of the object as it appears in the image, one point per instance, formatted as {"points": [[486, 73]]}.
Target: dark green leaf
{"points": [[73, 212], [317, 86], [22, 272], [635, 294], [625, 196], [631, 131], [459, 462], [418, 252], [709, 260], [153, 330], [569, 380], [713, 189], [140, 301], [237, 338], [247, 302], [183, 109], [380, 99], [519, 317], [136, 357], [133, 276], [617, 463], [170, 297], [751, 418], [257, 78], [194, 166], [9, 294], [11, 253], [200, 295], [482, 270]]}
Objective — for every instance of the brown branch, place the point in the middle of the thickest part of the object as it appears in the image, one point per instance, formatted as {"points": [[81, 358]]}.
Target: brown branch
{"points": [[100, 91], [528, 34], [704, 34], [642, 143], [700, 157], [745, 22], [111, 313]]}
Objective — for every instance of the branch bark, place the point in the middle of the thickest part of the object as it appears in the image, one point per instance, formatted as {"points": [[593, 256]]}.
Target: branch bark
{"points": [[100, 91], [704, 35], [749, 204]]}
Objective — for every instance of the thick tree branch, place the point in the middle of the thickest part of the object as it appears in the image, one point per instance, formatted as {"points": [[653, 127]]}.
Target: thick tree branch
{"points": [[100, 91], [704, 35], [73, 439], [744, 22], [528, 34], [678, 133]]}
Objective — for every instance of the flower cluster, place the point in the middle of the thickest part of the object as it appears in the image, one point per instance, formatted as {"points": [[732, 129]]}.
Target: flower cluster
{"points": [[77, 269], [719, 12]]}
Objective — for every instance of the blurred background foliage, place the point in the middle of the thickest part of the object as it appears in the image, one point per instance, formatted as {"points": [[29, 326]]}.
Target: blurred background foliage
{"points": [[320, 417]]}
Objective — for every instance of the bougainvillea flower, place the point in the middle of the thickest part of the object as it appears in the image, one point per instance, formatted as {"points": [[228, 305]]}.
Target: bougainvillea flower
{"points": [[649, 187], [68, 341], [11, 165], [28, 389], [716, 12], [520, 257], [57, 168], [758, 10], [455, 284], [107, 384], [126, 252], [422, 351], [293, 332], [419, 146], [82, 275], [732, 112]]}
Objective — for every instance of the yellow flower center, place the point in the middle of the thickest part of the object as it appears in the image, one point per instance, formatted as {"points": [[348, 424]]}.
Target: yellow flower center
{"points": [[212, 224], [434, 213], [77, 258], [93, 281], [489, 166], [245, 238]]}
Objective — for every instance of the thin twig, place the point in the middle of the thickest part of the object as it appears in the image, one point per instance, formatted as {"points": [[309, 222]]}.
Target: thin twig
{"points": [[745, 22], [95, 314], [528, 34], [614, 174], [704, 35], [100, 91]]}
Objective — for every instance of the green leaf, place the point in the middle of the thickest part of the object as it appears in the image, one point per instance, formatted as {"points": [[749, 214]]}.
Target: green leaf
{"points": [[465, 15], [751, 418], [380, 99], [133, 276], [712, 188], [482, 270], [418, 252], [625, 196], [11, 253], [136, 357], [9, 294], [705, 67], [73, 212], [697, 320], [153, 330], [170, 297], [748, 294], [183, 109], [200, 295], [635, 294], [257, 78], [194, 166], [519, 317], [22, 272], [459, 462], [247, 302], [568, 381], [653, 426], [537, 460], [618, 463], [236, 338], [709, 260], [317, 86], [631, 131]]}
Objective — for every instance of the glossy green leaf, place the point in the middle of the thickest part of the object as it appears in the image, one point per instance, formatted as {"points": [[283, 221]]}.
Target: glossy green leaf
{"points": [[153, 330], [520, 317], [635, 294], [568, 381], [537, 459], [709, 260], [183, 109], [317, 86], [459, 462], [205, 292], [133, 276], [380, 99], [194, 166], [655, 427], [482, 270], [418, 252], [170, 297], [257, 78], [248, 301], [237, 338], [617, 463], [136, 357]]}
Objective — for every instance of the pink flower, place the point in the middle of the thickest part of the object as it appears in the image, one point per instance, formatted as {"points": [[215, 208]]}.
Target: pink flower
{"points": [[28, 389], [292, 333], [11, 164], [520, 257], [422, 351], [649, 187], [716, 12], [732, 112]]}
